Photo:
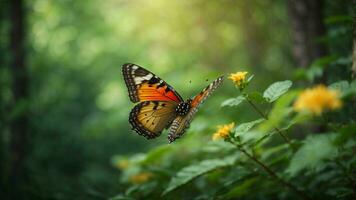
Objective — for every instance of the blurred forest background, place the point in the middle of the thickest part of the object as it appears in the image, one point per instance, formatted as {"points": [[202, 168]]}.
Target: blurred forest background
{"points": [[64, 131]]}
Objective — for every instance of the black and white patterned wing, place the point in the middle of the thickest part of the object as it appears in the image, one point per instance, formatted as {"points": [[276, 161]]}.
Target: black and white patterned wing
{"points": [[181, 123]]}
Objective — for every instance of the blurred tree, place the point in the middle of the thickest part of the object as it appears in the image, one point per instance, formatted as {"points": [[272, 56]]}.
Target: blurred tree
{"points": [[254, 36], [354, 46], [19, 124], [306, 17]]}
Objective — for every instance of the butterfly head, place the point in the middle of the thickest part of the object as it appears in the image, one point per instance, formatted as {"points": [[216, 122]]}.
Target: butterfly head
{"points": [[183, 107]]}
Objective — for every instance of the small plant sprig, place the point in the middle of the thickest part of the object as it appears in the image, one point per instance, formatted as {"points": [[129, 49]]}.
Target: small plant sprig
{"points": [[225, 132], [241, 82]]}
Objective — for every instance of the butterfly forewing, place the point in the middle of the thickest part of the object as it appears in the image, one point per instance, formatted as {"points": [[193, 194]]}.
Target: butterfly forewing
{"points": [[181, 123], [149, 118], [143, 85]]}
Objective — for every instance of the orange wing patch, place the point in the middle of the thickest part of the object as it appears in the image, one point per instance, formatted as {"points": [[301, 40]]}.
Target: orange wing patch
{"points": [[156, 92], [143, 85]]}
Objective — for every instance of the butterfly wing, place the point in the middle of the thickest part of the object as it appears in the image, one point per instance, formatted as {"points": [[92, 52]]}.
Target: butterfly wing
{"points": [[143, 85], [181, 123], [149, 118]]}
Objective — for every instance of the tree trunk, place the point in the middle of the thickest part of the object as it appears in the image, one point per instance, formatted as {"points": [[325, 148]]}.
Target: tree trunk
{"points": [[253, 35], [18, 125], [306, 17], [354, 47]]}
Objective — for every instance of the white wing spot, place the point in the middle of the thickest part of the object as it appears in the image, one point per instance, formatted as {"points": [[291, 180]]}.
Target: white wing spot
{"points": [[147, 77], [138, 80]]}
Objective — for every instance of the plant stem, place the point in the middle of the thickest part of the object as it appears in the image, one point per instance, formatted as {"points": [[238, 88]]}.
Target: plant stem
{"points": [[274, 175], [285, 138]]}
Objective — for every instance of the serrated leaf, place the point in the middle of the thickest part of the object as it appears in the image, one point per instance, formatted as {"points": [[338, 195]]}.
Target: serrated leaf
{"points": [[277, 89], [191, 172], [233, 101], [244, 127], [312, 154]]}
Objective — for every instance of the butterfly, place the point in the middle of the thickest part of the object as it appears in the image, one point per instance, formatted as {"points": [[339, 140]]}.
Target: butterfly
{"points": [[159, 106]]}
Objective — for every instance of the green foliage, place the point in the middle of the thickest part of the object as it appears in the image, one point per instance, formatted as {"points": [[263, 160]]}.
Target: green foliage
{"points": [[233, 101], [313, 154], [189, 173], [344, 87], [279, 112], [244, 127], [277, 89], [257, 97]]}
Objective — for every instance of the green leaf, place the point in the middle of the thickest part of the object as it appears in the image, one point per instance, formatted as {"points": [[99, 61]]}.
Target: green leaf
{"points": [[312, 154], [279, 112], [344, 87], [338, 19], [277, 89], [191, 172], [257, 97], [233, 101], [218, 147], [241, 189], [324, 61], [156, 154], [314, 72], [243, 133], [142, 189], [244, 127], [121, 197], [249, 78], [232, 182], [346, 133], [341, 86]]}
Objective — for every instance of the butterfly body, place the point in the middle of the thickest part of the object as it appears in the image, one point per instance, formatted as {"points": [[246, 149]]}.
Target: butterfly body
{"points": [[183, 108], [159, 105]]}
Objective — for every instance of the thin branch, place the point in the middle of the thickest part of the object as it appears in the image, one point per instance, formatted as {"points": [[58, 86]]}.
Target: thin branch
{"points": [[274, 175], [285, 138]]}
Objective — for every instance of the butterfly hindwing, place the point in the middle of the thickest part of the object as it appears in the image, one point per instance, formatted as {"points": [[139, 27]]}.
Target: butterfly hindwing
{"points": [[143, 85], [181, 123], [149, 118]]}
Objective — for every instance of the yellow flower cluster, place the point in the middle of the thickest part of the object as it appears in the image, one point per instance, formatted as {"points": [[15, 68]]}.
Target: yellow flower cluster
{"points": [[238, 78], [122, 164], [317, 99], [141, 178], [223, 131]]}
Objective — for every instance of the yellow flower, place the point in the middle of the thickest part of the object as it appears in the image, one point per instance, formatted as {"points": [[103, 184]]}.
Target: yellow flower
{"points": [[223, 131], [238, 78], [317, 99], [122, 164], [141, 177]]}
